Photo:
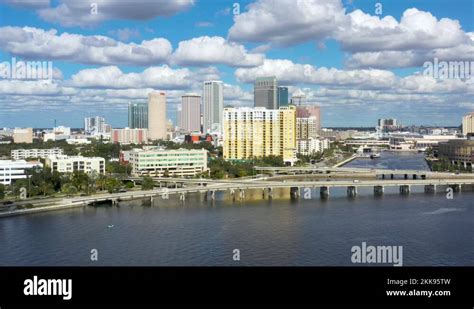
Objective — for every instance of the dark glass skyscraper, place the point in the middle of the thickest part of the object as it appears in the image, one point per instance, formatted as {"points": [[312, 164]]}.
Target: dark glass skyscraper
{"points": [[137, 115], [282, 96]]}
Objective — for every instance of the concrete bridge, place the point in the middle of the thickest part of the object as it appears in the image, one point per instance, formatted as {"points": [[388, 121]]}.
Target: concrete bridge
{"points": [[238, 189]]}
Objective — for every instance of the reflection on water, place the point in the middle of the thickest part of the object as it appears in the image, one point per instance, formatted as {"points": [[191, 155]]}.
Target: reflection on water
{"points": [[281, 231], [393, 160]]}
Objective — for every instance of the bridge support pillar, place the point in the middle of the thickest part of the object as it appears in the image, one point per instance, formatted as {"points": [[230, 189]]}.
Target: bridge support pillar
{"points": [[270, 193], [351, 191], [242, 194], [232, 193], [324, 192], [456, 188], [405, 189], [213, 195], [151, 199], [378, 190], [430, 188], [182, 197], [294, 192]]}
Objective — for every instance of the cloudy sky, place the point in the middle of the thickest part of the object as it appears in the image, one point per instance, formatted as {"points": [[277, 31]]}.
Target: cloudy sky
{"points": [[357, 59]]}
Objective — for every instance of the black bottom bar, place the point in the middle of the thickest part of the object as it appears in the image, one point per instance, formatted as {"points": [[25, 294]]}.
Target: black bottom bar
{"points": [[217, 285]]}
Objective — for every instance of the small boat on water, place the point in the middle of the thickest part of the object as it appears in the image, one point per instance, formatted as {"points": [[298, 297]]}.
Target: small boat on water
{"points": [[367, 152], [110, 226]]}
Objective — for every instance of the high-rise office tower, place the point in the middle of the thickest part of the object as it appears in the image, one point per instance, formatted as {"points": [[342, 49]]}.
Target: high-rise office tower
{"points": [[157, 115], [282, 96], [260, 132], [468, 124], [190, 114], [265, 92], [213, 104], [137, 115]]}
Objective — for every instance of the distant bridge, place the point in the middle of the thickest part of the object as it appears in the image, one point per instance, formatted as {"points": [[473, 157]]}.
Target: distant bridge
{"points": [[379, 173]]}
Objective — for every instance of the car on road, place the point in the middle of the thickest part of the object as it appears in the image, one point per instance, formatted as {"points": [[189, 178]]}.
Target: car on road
{"points": [[356, 180]]}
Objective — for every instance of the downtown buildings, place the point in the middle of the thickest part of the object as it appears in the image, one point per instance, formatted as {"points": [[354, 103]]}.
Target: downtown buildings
{"points": [[468, 124], [308, 129], [458, 151], [189, 118], [311, 146], [298, 100], [159, 162], [129, 136], [282, 96], [137, 115], [308, 121], [265, 92], [212, 106], [157, 122], [21, 154], [96, 126], [11, 171], [259, 132], [70, 164], [23, 135]]}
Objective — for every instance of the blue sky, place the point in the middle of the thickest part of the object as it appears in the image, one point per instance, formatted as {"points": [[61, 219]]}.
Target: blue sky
{"points": [[357, 64]]}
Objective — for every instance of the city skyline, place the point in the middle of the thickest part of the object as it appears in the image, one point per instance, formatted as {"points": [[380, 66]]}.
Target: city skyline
{"points": [[103, 61]]}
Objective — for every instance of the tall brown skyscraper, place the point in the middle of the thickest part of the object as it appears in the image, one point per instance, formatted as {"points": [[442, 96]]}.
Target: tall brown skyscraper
{"points": [[157, 115]]}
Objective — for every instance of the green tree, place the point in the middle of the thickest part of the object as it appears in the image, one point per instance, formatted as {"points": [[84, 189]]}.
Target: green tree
{"points": [[46, 188], [80, 180], [113, 185], [101, 181], [117, 168], [2, 191], [69, 189], [148, 183]]}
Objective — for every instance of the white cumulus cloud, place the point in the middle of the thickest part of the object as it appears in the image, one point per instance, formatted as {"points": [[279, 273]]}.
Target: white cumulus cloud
{"points": [[207, 50]]}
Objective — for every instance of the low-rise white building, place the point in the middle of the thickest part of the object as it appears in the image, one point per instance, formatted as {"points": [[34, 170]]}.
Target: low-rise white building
{"points": [[19, 154], [159, 162], [70, 164], [78, 141], [51, 136], [312, 145], [13, 170]]}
